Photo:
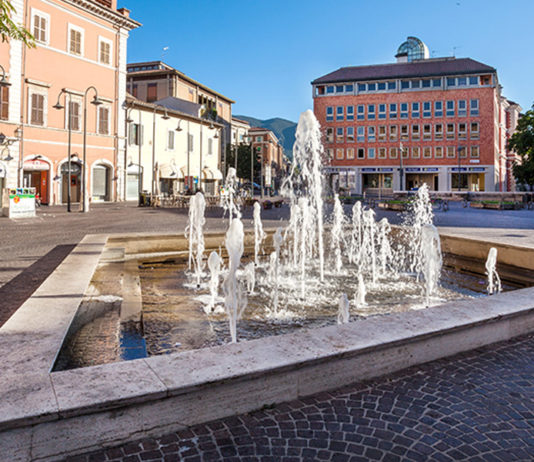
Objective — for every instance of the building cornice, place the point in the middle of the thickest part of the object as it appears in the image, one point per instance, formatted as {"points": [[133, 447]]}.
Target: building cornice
{"points": [[105, 13]]}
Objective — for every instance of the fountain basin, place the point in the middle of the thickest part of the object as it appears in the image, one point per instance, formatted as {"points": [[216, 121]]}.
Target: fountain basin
{"points": [[47, 415]]}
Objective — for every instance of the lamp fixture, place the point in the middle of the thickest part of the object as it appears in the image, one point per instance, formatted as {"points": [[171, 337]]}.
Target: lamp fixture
{"points": [[178, 128], [9, 157], [96, 101], [165, 115], [3, 81]]}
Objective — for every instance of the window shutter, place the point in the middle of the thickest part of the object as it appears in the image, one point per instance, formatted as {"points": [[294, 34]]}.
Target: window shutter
{"points": [[4, 110], [141, 135]]}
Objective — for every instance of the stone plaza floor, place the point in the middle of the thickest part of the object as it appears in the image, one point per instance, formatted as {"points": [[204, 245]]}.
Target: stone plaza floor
{"points": [[478, 406]]}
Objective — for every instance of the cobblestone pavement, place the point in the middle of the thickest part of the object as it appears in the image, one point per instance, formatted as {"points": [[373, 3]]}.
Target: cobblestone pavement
{"points": [[476, 406]]}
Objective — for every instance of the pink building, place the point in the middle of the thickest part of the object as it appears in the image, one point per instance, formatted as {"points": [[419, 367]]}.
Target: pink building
{"points": [[80, 56]]}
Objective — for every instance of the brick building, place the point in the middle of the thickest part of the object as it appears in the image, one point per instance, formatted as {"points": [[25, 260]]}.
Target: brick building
{"points": [[439, 121], [80, 53], [267, 146]]}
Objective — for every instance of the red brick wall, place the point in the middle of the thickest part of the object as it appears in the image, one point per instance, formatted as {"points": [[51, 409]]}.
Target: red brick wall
{"points": [[486, 119]]}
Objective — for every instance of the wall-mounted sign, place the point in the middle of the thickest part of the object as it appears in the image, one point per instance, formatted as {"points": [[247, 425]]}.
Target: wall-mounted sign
{"points": [[36, 165]]}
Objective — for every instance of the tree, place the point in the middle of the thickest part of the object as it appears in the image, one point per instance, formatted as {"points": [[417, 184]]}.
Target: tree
{"points": [[522, 142], [10, 30], [243, 161]]}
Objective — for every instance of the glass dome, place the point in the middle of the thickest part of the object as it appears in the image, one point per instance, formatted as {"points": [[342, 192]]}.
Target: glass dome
{"points": [[412, 49]]}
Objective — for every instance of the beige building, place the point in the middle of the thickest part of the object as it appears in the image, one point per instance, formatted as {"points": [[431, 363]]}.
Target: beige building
{"points": [[153, 81], [170, 151]]}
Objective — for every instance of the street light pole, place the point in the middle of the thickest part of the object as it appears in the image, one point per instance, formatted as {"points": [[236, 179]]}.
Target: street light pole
{"points": [[459, 168], [67, 108], [401, 169], [127, 122]]}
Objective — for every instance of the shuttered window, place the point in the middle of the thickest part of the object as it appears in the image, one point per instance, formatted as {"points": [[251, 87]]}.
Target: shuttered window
{"points": [[74, 113], [103, 120], [105, 52], [75, 42], [37, 109], [4, 103], [39, 28]]}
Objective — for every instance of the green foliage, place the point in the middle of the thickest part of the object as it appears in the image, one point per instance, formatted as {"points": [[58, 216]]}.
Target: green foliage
{"points": [[522, 142], [10, 30], [243, 161]]}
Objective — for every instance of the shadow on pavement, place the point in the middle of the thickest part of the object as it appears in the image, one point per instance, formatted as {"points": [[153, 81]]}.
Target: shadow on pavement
{"points": [[18, 290]]}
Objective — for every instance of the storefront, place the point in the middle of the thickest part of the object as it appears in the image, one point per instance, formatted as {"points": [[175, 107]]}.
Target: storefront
{"points": [[209, 181], [417, 176], [169, 176], [133, 180], [469, 179], [341, 179], [379, 179], [36, 174], [101, 183], [75, 181]]}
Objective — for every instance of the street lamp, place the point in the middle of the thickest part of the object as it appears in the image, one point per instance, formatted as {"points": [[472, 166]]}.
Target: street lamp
{"points": [[96, 102], [58, 106], [127, 122], [3, 81], [164, 117], [401, 169]]}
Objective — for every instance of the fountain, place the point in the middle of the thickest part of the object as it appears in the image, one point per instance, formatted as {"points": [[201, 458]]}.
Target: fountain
{"points": [[431, 259], [259, 234], [494, 281], [195, 234], [228, 202], [337, 239], [214, 265], [343, 313]]}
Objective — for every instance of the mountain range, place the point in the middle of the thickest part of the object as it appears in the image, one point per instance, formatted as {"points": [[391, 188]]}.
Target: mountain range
{"points": [[282, 128]]}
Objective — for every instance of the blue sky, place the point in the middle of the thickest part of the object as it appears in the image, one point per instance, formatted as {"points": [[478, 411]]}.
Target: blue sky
{"points": [[264, 54]]}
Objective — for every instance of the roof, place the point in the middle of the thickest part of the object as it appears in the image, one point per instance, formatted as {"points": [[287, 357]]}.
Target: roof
{"points": [[422, 68], [180, 105], [240, 120], [166, 69]]}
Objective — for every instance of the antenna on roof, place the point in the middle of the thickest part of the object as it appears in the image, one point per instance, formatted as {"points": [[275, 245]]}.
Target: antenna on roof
{"points": [[164, 52], [454, 50]]}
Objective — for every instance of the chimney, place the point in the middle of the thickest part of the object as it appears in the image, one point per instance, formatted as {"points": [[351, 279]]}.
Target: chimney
{"points": [[124, 11]]}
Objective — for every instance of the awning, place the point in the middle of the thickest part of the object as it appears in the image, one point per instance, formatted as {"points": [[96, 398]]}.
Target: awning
{"points": [[212, 173], [170, 171]]}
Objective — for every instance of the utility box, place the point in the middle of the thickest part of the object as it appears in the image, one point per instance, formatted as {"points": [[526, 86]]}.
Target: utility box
{"points": [[18, 202]]}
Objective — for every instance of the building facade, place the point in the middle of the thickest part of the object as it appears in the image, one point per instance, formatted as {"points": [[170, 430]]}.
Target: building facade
{"points": [[396, 126], [270, 152], [170, 151], [79, 58], [154, 81]]}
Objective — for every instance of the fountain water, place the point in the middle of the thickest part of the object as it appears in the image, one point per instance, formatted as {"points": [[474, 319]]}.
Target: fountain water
{"points": [[494, 281], [195, 233], [343, 313], [259, 234], [235, 300], [337, 235], [356, 233], [228, 201], [431, 259], [250, 276], [214, 265], [359, 296], [277, 242]]}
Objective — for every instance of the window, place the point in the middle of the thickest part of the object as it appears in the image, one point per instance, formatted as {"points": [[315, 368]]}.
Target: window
{"points": [[339, 88], [340, 113], [405, 84], [360, 134], [405, 153], [190, 142], [37, 105], [438, 152], [392, 133], [475, 151], [75, 40], [415, 83], [416, 153], [152, 92], [104, 54], [462, 151], [135, 134], [462, 81], [426, 83], [438, 131], [134, 90], [427, 109], [330, 89], [103, 120], [436, 83], [451, 81], [339, 153], [473, 80], [450, 108], [427, 152], [329, 135], [210, 143], [392, 85], [329, 114], [381, 111], [462, 108], [404, 133], [340, 138], [362, 87], [371, 153], [474, 107], [170, 140], [74, 115], [427, 132], [415, 132], [350, 134], [381, 86], [438, 108], [371, 87], [475, 134], [451, 152], [361, 112], [462, 131], [382, 153], [393, 153], [350, 112], [330, 153], [393, 110], [415, 110], [404, 110], [349, 88], [40, 27], [350, 153], [382, 133], [361, 153], [450, 131], [4, 103], [371, 112], [371, 134], [259, 139]]}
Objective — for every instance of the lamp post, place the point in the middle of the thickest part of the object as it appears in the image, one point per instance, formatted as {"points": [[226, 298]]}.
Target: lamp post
{"points": [[59, 106], [127, 122], [459, 168], [401, 169], [165, 117], [96, 101]]}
